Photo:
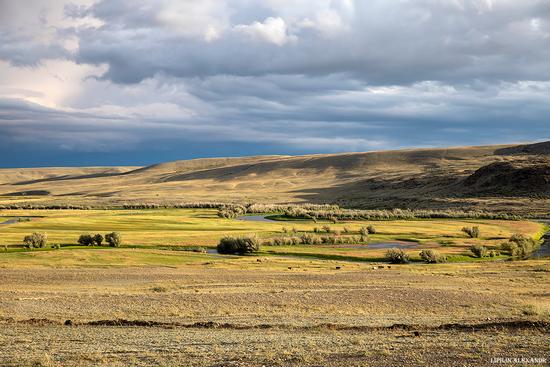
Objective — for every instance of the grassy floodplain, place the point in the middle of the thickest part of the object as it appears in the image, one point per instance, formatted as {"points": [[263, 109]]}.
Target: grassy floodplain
{"points": [[179, 228]]}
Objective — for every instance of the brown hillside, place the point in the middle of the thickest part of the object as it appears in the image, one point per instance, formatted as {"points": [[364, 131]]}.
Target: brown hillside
{"points": [[430, 178]]}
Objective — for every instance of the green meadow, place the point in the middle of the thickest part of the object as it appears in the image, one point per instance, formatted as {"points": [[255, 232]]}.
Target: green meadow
{"points": [[176, 236]]}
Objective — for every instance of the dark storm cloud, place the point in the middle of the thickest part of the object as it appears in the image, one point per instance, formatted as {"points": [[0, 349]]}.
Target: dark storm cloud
{"points": [[379, 42]]}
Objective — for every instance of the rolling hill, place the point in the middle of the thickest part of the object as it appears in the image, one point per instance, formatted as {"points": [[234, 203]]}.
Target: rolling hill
{"points": [[511, 178]]}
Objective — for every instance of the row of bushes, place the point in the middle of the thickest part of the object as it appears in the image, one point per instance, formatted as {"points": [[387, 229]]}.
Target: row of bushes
{"points": [[363, 231], [40, 240], [358, 214], [235, 210], [308, 211], [398, 256], [33, 206], [113, 239], [309, 239], [518, 246]]}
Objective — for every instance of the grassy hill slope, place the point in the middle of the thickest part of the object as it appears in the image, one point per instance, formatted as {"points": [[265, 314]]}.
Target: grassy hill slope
{"points": [[490, 177]]}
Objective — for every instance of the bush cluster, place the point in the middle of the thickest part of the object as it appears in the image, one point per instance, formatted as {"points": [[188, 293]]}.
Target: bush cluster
{"points": [[519, 246], [432, 257], [113, 239], [478, 250], [36, 240], [472, 232], [397, 256], [89, 240], [239, 245]]}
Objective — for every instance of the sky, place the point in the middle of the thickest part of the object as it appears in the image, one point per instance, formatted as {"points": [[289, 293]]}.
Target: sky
{"points": [[113, 82]]}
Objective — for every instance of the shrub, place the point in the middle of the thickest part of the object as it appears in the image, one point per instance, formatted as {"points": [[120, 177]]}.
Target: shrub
{"points": [[85, 240], [371, 229], [231, 211], [228, 245], [308, 239], [326, 229], [223, 213], [98, 239], [472, 232], [519, 246], [363, 231], [346, 229], [432, 257], [509, 247], [36, 240], [478, 250], [238, 245], [397, 256], [113, 239]]}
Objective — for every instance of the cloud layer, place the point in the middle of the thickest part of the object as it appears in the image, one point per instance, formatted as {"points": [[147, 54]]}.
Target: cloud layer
{"points": [[156, 78]]}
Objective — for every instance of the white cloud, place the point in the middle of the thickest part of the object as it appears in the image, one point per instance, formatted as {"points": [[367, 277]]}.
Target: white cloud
{"points": [[273, 30], [206, 18], [50, 84]]}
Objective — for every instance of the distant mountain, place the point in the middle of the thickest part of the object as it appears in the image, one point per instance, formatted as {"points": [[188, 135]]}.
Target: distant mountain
{"points": [[512, 178]]}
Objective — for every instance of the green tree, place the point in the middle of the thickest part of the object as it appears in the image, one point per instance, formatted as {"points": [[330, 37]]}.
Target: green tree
{"points": [[113, 239]]}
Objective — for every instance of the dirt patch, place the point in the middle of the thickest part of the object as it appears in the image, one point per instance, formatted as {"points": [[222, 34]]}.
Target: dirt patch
{"points": [[29, 193], [543, 326]]}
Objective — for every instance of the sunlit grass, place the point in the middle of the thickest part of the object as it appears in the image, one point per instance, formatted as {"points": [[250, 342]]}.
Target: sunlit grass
{"points": [[162, 228]]}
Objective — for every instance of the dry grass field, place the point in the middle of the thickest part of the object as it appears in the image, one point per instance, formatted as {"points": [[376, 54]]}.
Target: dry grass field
{"points": [[277, 311]]}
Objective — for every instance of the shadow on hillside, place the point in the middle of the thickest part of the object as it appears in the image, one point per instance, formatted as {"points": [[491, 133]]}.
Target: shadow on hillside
{"points": [[417, 193], [69, 177]]}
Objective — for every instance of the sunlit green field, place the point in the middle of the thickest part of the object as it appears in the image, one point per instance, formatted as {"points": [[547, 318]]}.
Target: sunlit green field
{"points": [[152, 231]]}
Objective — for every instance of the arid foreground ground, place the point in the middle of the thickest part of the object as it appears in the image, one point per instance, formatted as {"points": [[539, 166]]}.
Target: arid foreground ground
{"points": [[254, 311]]}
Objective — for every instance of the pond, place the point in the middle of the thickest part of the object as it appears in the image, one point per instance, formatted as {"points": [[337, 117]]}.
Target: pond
{"points": [[544, 249], [17, 220], [255, 218], [378, 245]]}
